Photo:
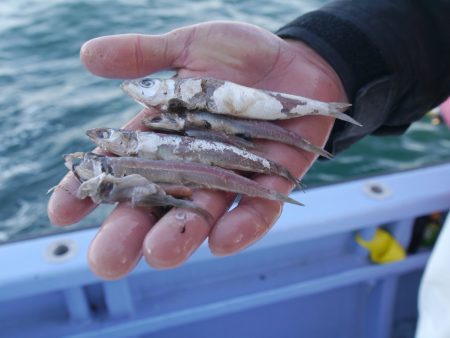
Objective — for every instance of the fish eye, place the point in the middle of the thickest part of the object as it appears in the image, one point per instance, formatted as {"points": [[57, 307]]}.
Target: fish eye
{"points": [[147, 83], [156, 119]]}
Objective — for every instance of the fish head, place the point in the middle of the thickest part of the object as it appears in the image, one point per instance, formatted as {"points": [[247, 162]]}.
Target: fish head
{"points": [[150, 92], [165, 121], [117, 141], [98, 188], [73, 160], [84, 165]]}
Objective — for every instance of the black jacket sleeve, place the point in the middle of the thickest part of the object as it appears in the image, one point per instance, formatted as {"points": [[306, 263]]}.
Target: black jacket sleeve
{"points": [[393, 57]]}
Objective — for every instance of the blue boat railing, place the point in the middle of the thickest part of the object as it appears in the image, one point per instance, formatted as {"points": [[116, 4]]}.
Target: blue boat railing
{"points": [[308, 277]]}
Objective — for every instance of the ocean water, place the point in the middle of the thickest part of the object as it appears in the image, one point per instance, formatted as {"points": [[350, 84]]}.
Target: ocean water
{"points": [[48, 100]]}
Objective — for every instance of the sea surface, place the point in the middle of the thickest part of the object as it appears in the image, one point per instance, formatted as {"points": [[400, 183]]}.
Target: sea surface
{"points": [[48, 100]]}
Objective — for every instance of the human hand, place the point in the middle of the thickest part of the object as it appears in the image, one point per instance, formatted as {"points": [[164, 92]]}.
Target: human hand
{"points": [[237, 52]]}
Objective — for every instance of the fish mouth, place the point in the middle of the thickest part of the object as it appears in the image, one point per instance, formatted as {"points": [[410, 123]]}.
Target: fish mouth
{"points": [[98, 133], [125, 85], [102, 137], [133, 90], [72, 160], [116, 141], [91, 134]]}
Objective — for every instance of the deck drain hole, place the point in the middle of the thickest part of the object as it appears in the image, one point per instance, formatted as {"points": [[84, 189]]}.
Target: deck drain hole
{"points": [[60, 251], [377, 190]]}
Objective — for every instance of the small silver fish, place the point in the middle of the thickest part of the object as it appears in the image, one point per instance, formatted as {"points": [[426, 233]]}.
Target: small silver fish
{"points": [[89, 165], [228, 98], [183, 148], [242, 129], [106, 188], [177, 173], [219, 136]]}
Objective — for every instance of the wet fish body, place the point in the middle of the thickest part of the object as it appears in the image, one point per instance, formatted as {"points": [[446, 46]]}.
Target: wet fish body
{"points": [[106, 188], [220, 137], [191, 175], [248, 129], [89, 165], [228, 98], [156, 146]]}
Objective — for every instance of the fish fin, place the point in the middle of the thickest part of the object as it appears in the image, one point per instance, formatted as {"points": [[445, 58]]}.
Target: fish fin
{"points": [[336, 109]]}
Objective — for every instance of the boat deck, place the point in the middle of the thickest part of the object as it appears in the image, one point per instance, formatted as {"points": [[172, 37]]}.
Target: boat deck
{"points": [[307, 278]]}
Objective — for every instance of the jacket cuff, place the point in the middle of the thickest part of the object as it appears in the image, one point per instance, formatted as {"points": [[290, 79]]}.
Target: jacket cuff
{"points": [[342, 44]]}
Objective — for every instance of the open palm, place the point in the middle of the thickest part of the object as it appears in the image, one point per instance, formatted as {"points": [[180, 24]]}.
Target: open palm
{"points": [[237, 52]]}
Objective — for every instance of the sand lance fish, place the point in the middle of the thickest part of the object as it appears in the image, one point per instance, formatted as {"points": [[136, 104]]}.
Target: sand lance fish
{"points": [[188, 121], [106, 188], [190, 175], [88, 165], [228, 98], [183, 148], [218, 136]]}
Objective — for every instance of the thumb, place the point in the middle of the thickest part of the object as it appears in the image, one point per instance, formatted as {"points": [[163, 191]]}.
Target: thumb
{"points": [[132, 55]]}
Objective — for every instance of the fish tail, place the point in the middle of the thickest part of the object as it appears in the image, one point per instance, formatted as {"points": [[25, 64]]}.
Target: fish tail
{"points": [[297, 182], [336, 109], [293, 201], [288, 199], [283, 172], [181, 203], [316, 150], [147, 201], [324, 153], [301, 185]]}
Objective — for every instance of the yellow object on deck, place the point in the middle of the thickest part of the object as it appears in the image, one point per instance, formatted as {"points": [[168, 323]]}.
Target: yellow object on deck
{"points": [[383, 247]]}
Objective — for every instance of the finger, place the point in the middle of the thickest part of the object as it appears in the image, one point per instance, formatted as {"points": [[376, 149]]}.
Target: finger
{"points": [[180, 232], [117, 247], [253, 217], [248, 222], [64, 207], [217, 49], [133, 55]]}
